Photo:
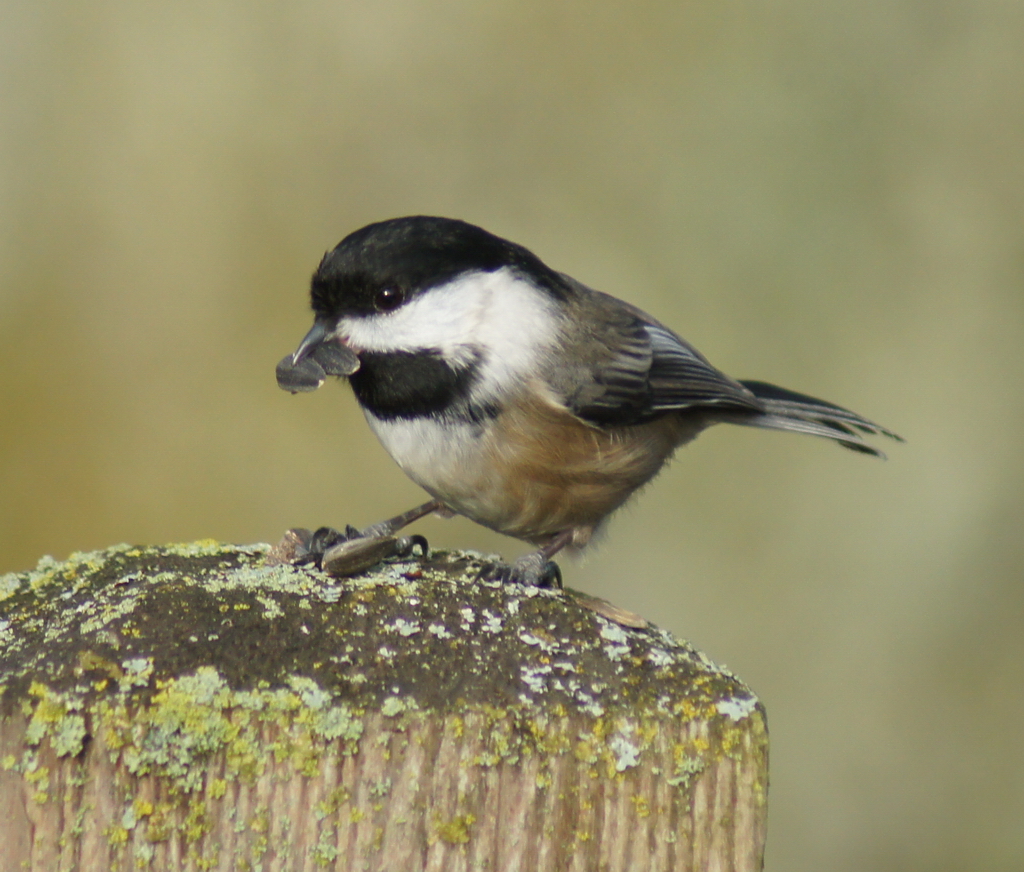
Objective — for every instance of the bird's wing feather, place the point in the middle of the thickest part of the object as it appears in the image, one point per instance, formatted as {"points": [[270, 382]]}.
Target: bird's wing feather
{"points": [[638, 369], [680, 377]]}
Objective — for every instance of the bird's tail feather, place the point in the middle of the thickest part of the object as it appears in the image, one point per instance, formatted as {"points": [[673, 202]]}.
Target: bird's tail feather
{"points": [[799, 413]]}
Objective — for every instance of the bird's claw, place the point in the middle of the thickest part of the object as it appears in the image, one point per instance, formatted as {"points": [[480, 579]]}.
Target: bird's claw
{"points": [[527, 570]]}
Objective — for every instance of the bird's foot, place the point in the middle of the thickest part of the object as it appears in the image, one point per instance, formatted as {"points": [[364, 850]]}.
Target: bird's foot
{"points": [[349, 553], [531, 569], [354, 550], [313, 546]]}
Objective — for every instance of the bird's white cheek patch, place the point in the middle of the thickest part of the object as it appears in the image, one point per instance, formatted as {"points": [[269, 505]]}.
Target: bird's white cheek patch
{"points": [[496, 316]]}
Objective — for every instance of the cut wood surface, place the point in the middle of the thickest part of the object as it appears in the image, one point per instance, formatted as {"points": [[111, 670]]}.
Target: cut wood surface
{"points": [[194, 707]]}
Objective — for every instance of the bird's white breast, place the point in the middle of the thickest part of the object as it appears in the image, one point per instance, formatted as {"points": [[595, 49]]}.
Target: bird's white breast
{"points": [[443, 457]]}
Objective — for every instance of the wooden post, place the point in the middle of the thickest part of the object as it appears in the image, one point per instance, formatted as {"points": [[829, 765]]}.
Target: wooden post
{"points": [[195, 708]]}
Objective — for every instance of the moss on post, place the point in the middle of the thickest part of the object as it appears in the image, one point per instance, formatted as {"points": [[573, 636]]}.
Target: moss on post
{"points": [[193, 707]]}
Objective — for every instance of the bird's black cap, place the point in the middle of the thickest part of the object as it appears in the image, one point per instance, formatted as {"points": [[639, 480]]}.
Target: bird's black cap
{"points": [[406, 256]]}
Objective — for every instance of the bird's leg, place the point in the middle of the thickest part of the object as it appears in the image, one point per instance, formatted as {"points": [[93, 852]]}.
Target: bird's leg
{"points": [[536, 568], [393, 525], [355, 550]]}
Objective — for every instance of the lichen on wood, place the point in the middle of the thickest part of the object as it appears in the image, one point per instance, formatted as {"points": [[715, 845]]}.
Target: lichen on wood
{"points": [[195, 707]]}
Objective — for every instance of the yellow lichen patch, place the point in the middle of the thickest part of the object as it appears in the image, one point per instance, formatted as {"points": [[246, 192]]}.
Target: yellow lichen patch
{"points": [[116, 834], [641, 804], [197, 822], [585, 750], [335, 799], [160, 824], [456, 830]]}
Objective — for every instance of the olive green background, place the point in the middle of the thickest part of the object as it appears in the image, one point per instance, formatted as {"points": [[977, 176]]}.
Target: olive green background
{"points": [[825, 195]]}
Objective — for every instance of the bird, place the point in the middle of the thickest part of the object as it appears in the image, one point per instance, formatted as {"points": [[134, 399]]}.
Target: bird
{"points": [[512, 393]]}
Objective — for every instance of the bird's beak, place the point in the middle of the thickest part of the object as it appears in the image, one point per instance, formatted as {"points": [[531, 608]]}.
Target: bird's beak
{"points": [[313, 339], [319, 355]]}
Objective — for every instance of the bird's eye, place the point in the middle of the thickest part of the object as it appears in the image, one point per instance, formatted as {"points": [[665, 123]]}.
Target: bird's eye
{"points": [[388, 298]]}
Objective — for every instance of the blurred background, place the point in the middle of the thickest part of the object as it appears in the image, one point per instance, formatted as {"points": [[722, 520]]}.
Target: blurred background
{"points": [[828, 196]]}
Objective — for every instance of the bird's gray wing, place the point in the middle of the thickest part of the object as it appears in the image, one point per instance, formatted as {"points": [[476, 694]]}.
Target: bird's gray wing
{"points": [[627, 368]]}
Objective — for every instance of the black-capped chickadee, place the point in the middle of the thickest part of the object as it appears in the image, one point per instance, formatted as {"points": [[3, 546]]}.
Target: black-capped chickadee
{"points": [[512, 393]]}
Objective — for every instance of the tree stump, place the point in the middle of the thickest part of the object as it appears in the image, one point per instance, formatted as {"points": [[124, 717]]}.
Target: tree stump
{"points": [[196, 708]]}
